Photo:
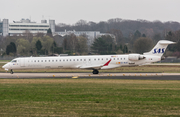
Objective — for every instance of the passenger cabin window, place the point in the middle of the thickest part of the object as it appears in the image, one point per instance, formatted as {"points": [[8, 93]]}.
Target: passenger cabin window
{"points": [[41, 60], [49, 60]]}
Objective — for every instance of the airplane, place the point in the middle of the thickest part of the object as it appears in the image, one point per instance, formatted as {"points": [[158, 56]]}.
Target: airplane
{"points": [[93, 62]]}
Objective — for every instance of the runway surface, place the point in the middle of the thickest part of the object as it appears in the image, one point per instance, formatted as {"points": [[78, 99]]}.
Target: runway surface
{"points": [[142, 76]]}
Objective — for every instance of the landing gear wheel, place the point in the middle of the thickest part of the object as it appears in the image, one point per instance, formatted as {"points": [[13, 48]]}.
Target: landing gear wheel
{"points": [[95, 71], [12, 71]]}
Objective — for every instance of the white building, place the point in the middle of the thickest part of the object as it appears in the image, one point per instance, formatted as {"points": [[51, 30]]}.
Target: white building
{"points": [[19, 27]]}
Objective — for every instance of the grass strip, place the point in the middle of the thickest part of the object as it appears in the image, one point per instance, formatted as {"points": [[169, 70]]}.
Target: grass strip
{"points": [[89, 97]]}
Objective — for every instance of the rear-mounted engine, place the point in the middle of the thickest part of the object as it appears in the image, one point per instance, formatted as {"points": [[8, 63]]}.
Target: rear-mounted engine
{"points": [[135, 57]]}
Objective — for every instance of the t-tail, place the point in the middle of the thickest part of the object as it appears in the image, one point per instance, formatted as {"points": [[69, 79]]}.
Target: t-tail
{"points": [[160, 48]]}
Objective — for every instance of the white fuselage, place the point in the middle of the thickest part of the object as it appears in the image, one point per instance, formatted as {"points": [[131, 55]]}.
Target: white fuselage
{"points": [[78, 62]]}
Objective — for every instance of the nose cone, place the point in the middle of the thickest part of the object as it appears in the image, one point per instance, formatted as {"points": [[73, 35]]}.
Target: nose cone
{"points": [[5, 66]]}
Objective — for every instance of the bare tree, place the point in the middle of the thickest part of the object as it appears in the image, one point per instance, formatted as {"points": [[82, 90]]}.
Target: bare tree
{"points": [[70, 43], [28, 35], [118, 35], [143, 44], [39, 34], [82, 44], [81, 23]]}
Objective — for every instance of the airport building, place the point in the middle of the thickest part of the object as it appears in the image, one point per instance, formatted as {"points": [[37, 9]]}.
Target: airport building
{"points": [[19, 27]]}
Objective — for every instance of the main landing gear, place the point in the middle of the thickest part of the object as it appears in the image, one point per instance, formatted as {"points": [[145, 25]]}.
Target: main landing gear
{"points": [[95, 71], [11, 71]]}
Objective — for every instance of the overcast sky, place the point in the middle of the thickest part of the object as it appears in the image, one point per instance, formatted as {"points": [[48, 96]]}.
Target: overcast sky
{"points": [[70, 11]]}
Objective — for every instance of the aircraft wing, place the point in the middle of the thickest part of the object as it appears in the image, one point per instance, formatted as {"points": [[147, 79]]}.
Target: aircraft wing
{"points": [[95, 66]]}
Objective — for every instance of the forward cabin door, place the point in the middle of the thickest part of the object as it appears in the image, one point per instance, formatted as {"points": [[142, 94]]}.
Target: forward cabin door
{"points": [[88, 62], [22, 62]]}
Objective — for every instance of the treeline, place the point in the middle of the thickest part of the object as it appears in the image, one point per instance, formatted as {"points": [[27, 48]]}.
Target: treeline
{"points": [[40, 44], [46, 44], [138, 35], [142, 36], [127, 27]]}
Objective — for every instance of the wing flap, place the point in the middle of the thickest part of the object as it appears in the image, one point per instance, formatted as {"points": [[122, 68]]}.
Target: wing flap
{"points": [[91, 67], [95, 66]]}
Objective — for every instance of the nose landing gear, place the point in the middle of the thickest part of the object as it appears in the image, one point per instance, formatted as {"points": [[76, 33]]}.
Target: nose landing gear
{"points": [[95, 71], [11, 71]]}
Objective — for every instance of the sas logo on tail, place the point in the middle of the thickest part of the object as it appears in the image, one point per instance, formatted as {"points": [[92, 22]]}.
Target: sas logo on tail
{"points": [[159, 50]]}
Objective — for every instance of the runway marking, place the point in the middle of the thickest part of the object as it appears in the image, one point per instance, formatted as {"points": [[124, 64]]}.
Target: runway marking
{"points": [[75, 77]]}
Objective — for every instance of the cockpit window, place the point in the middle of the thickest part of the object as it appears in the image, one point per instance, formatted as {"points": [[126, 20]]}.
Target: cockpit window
{"points": [[14, 61]]}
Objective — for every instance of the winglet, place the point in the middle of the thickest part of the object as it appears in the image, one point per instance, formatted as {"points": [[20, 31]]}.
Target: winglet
{"points": [[106, 64]]}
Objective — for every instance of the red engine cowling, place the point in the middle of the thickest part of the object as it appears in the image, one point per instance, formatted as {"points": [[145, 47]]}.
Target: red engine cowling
{"points": [[135, 57]]}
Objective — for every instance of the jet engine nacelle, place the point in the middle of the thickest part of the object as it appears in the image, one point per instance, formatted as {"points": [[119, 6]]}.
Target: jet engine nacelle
{"points": [[135, 57]]}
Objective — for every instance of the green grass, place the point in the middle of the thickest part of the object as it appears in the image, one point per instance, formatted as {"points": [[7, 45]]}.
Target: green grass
{"points": [[89, 97], [5, 61]]}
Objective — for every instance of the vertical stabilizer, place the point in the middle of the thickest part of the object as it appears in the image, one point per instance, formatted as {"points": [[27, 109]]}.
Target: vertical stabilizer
{"points": [[160, 48]]}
